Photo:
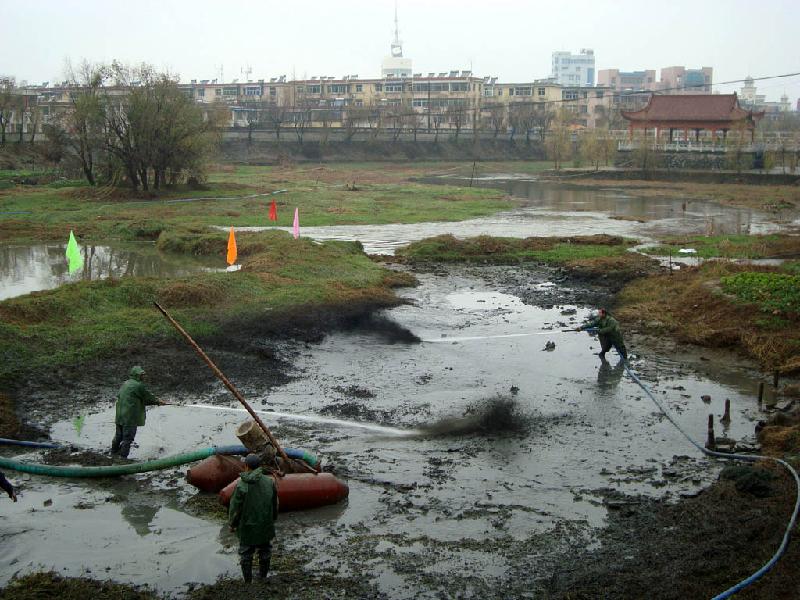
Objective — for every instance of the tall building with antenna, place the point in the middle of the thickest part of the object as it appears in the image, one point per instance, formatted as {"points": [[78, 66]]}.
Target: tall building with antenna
{"points": [[395, 65]]}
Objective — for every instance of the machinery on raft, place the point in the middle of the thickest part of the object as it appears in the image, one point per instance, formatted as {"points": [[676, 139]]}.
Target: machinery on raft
{"points": [[298, 477]]}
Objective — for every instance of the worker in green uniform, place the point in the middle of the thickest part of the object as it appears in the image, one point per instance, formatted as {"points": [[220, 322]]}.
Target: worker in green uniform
{"points": [[608, 332], [251, 514], [132, 399]]}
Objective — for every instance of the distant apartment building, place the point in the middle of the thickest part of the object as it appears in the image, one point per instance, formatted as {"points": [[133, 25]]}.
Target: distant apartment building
{"points": [[620, 81], [574, 69], [680, 80]]}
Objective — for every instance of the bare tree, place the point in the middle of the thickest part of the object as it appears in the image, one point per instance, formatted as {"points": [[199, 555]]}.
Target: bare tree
{"points": [[354, 117], [375, 120], [436, 122], [542, 117], [496, 118], [254, 115], [84, 121], [457, 117], [413, 122], [276, 115], [396, 116]]}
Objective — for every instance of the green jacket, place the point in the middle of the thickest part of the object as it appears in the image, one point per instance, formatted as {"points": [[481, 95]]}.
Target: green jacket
{"points": [[133, 397], [606, 326], [254, 508]]}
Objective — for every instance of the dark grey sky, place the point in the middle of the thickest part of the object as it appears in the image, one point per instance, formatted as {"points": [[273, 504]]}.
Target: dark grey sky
{"points": [[510, 39]]}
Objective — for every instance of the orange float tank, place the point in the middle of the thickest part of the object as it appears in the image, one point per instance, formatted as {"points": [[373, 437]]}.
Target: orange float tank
{"points": [[215, 472], [298, 491]]}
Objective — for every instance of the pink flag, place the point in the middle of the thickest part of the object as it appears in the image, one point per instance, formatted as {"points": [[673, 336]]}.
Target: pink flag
{"points": [[296, 225]]}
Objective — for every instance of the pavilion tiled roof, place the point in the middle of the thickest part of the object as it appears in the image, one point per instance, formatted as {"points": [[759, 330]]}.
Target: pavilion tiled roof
{"points": [[691, 107]]}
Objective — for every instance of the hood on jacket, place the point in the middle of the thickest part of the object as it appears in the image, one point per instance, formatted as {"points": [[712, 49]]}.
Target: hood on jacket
{"points": [[251, 476], [136, 372]]}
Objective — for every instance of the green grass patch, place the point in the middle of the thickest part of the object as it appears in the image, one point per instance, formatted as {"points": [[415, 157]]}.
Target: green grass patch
{"points": [[731, 246], [88, 320], [232, 199], [771, 292], [501, 250]]}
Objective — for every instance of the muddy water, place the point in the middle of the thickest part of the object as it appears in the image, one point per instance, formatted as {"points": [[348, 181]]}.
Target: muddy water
{"points": [[33, 267], [418, 504], [559, 210]]}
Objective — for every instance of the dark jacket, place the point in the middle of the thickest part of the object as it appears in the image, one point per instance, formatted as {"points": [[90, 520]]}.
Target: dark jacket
{"points": [[254, 508], [131, 402]]}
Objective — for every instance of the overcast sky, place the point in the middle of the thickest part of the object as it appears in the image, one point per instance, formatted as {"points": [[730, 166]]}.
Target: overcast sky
{"points": [[510, 39]]}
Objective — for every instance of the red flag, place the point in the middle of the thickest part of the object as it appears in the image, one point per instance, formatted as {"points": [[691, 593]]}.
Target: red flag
{"points": [[273, 211]]}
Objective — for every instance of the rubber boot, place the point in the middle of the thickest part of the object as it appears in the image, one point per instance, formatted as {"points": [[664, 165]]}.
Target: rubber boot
{"points": [[263, 568], [124, 449], [247, 572]]}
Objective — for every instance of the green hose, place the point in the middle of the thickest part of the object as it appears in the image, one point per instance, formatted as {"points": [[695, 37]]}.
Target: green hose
{"points": [[110, 470]]}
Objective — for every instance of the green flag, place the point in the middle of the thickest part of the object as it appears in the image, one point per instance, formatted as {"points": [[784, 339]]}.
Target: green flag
{"points": [[77, 423], [74, 259]]}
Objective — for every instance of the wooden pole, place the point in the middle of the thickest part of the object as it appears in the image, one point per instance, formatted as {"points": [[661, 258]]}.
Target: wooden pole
{"points": [[760, 393], [711, 440], [726, 418], [227, 383]]}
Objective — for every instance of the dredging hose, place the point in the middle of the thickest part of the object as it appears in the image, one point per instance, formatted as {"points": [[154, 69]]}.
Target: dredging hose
{"points": [[745, 457], [140, 467]]}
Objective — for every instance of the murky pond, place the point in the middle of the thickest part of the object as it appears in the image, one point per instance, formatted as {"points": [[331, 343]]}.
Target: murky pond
{"points": [[557, 210], [26, 268], [417, 499]]}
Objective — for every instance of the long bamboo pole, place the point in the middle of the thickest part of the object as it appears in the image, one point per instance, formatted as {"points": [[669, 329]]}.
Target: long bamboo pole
{"points": [[227, 383]]}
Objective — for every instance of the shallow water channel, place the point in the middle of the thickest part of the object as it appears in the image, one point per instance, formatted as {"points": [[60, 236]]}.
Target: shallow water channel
{"points": [[420, 505], [26, 268], [557, 210]]}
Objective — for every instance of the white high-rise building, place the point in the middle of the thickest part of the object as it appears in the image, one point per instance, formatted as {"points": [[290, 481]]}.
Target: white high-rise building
{"points": [[395, 65], [574, 69]]}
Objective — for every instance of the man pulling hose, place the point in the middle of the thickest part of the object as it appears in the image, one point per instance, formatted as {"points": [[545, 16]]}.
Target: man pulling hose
{"points": [[608, 332]]}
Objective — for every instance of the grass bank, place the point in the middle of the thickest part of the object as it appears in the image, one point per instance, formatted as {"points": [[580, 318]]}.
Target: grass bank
{"points": [[503, 250], [754, 309], [238, 196], [731, 246], [587, 257], [88, 321]]}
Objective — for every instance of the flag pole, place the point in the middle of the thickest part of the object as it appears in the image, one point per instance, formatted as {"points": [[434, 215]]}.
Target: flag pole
{"points": [[227, 383]]}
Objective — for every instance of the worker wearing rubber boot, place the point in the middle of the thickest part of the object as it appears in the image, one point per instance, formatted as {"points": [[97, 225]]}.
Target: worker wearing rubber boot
{"points": [[132, 399], [608, 332], [6, 485], [251, 514]]}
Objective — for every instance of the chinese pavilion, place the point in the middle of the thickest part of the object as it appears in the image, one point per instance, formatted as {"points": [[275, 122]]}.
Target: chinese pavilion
{"points": [[692, 112]]}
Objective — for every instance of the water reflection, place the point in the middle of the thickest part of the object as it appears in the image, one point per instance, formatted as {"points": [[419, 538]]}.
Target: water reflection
{"points": [[29, 268], [140, 516], [608, 377], [691, 216]]}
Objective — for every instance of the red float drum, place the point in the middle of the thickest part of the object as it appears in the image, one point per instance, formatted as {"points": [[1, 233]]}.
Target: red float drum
{"points": [[297, 491], [215, 472]]}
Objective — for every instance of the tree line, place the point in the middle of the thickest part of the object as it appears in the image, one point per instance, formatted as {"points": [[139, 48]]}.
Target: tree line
{"points": [[132, 124]]}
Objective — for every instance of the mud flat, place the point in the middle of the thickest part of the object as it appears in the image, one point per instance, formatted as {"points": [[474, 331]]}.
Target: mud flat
{"points": [[480, 463]]}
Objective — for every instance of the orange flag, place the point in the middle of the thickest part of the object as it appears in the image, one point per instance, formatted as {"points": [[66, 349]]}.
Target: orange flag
{"points": [[273, 211], [231, 248]]}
